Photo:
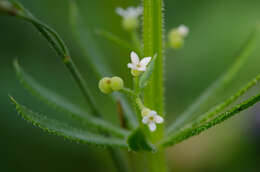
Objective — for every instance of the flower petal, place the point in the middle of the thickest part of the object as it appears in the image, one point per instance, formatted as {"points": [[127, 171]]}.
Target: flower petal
{"points": [[183, 30], [142, 68], [134, 58], [145, 119], [130, 65], [153, 113], [158, 119], [145, 61], [152, 126], [120, 11]]}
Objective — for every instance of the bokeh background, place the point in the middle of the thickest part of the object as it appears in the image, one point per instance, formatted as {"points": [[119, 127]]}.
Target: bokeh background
{"points": [[218, 29]]}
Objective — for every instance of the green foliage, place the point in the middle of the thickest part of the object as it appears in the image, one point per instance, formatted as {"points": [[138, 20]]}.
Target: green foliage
{"points": [[229, 101], [221, 83], [137, 141], [61, 49], [147, 91], [96, 58], [145, 78], [190, 131], [116, 40], [61, 129], [61, 104]]}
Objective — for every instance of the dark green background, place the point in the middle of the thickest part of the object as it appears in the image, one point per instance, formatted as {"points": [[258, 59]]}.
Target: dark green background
{"points": [[218, 29]]}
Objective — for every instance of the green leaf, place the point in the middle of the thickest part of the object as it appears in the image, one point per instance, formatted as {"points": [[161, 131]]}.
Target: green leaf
{"points": [[61, 104], [87, 42], [190, 131], [61, 129], [228, 102], [137, 141], [220, 84], [146, 76], [116, 40], [61, 49], [96, 58]]}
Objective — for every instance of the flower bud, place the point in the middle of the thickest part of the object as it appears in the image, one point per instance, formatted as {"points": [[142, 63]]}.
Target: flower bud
{"points": [[176, 36], [176, 40], [116, 83], [130, 24], [105, 85], [145, 112]]}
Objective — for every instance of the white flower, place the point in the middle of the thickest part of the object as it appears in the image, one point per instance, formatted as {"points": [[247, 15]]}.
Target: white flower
{"points": [[138, 65], [183, 30], [151, 118], [130, 12]]}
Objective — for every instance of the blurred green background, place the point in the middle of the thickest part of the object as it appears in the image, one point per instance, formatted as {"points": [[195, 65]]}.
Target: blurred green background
{"points": [[218, 29]]}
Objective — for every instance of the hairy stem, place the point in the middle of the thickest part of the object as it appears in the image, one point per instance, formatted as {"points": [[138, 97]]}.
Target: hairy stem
{"points": [[153, 93]]}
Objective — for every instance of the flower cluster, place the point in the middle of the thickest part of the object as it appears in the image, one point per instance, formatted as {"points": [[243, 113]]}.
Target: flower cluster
{"points": [[137, 66]]}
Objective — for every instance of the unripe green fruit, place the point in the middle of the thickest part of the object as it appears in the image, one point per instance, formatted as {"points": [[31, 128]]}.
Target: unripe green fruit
{"points": [[105, 85], [130, 24], [116, 83]]}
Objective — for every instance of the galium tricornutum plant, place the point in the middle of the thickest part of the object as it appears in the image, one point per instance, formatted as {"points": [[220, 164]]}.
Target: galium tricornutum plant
{"points": [[141, 107]]}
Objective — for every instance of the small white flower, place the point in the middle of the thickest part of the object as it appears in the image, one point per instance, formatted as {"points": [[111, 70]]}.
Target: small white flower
{"points": [[151, 118], [183, 30], [130, 12], [137, 64]]}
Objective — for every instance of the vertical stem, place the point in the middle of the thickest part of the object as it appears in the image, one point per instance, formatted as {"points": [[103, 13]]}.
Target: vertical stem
{"points": [[154, 93], [153, 44]]}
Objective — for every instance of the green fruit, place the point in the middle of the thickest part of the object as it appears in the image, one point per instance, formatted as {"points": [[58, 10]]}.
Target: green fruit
{"points": [[105, 85], [116, 83]]}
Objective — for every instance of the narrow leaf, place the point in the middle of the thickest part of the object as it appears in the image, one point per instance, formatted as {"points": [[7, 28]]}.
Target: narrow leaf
{"points": [[116, 40], [87, 42], [228, 102], [61, 129], [61, 104], [61, 49], [97, 59], [146, 76], [219, 84], [137, 141], [190, 131]]}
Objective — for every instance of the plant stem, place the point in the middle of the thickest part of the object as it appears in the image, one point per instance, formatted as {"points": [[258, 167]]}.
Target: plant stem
{"points": [[153, 44], [153, 93], [156, 161]]}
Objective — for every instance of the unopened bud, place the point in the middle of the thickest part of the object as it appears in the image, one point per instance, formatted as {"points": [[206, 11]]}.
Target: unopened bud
{"points": [[145, 112], [176, 36], [175, 39], [130, 24]]}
